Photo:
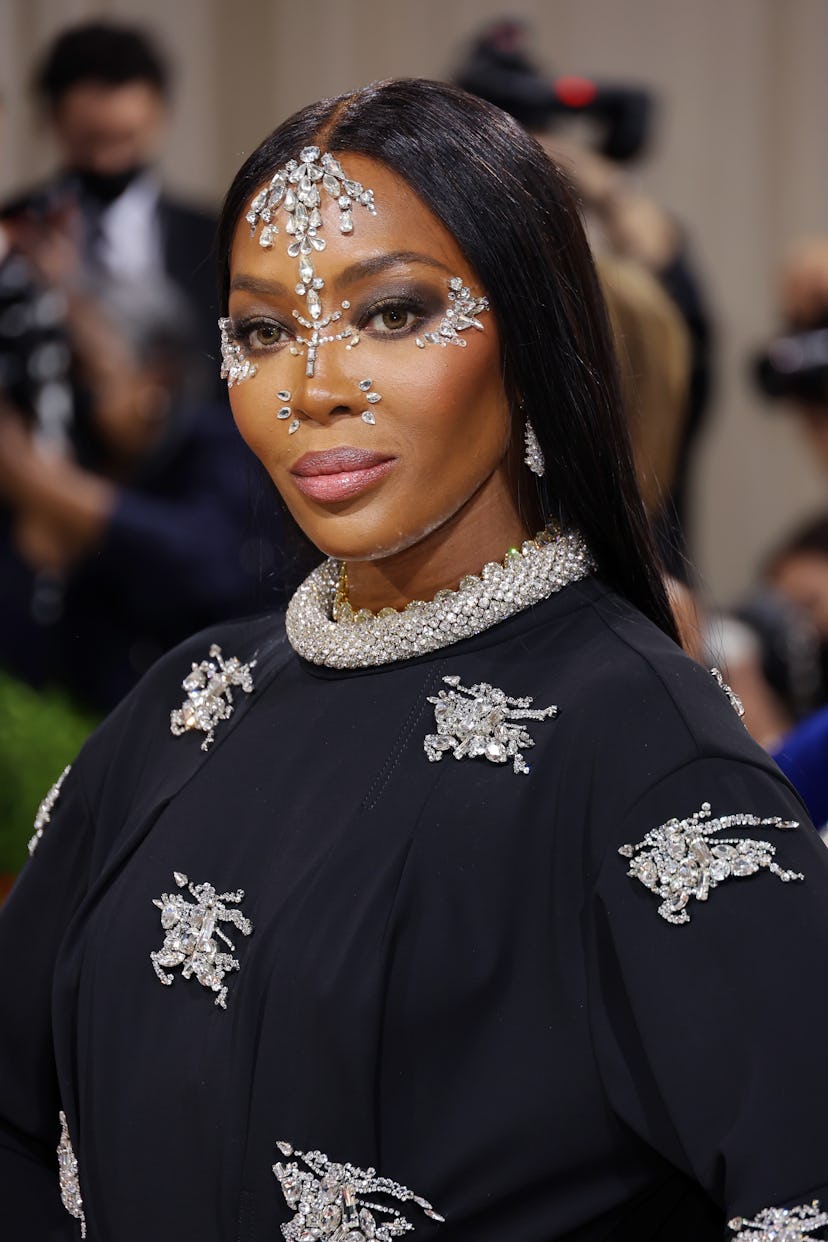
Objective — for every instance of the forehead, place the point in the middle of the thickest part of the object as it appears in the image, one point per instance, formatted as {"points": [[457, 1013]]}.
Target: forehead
{"points": [[402, 224]]}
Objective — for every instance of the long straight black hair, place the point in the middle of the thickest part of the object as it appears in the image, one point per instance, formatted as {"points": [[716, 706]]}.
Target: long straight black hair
{"points": [[513, 215]]}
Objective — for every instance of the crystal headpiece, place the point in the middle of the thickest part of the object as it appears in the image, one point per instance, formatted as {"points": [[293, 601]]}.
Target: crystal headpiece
{"points": [[296, 190]]}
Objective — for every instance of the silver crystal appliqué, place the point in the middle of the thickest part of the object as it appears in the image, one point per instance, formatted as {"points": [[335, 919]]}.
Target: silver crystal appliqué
{"points": [[209, 700], [328, 1201], [70, 1193], [482, 721], [192, 932], [683, 859], [461, 314], [796, 1224], [44, 811], [732, 696]]}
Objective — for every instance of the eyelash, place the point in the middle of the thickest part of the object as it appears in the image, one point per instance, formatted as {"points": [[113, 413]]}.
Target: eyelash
{"points": [[407, 305], [243, 331]]}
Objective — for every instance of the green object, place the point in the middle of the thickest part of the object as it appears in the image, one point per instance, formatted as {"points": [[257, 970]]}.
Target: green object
{"points": [[40, 732]]}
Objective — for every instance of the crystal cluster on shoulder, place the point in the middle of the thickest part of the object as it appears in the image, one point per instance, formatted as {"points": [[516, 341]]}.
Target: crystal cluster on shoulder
{"points": [[482, 721], [328, 1200], [191, 934], [796, 1224], [684, 859], [44, 811], [209, 686], [361, 639]]}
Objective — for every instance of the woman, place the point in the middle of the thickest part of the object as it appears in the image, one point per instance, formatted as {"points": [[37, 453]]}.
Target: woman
{"points": [[388, 912]]}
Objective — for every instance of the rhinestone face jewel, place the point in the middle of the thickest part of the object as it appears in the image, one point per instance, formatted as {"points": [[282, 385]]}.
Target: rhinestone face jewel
{"points": [[360, 640], [735, 701], [461, 314], [297, 190], [191, 932], [209, 700], [235, 364], [70, 1193], [482, 722], [796, 1224], [682, 859], [44, 811], [327, 1200]]}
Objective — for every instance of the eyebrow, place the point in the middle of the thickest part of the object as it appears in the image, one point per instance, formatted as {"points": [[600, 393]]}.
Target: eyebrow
{"points": [[382, 262], [255, 284], [354, 271]]}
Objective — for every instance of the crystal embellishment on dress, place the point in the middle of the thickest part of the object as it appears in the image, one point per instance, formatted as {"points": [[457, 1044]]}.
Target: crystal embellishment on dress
{"points": [[70, 1193], [44, 811], [796, 1224], [191, 932], [482, 722], [235, 364], [359, 639], [735, 701], [209, 700], [461, 314], [296, 190], [682, 858], [328, 1201]]}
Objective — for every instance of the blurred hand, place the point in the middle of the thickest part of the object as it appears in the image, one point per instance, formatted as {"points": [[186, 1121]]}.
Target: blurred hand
{"points": [[51, 243]]}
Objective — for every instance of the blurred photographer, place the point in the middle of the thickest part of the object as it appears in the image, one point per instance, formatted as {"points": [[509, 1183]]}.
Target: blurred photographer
{"points": [[104, 88], [794, 367]]}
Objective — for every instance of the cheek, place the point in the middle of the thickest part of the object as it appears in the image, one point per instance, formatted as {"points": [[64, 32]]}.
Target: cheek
{"points": [[446, 395], [255, 419]]}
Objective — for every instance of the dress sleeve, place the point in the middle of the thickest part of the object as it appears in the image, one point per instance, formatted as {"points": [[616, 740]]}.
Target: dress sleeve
{"points": [[708, 945], [32, 924]]}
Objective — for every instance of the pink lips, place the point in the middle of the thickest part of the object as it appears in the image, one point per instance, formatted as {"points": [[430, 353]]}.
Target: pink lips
{"points": [[340, 473]]}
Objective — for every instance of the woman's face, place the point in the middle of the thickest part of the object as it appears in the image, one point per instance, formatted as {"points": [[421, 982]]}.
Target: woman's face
{"points": [[438, 445]]}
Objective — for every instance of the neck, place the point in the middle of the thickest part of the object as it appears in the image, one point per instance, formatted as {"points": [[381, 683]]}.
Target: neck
{"points": [[477, 534]]}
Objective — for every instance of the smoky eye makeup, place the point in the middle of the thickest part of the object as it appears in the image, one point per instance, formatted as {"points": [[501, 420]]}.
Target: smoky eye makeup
{"points": [[397, 310]]}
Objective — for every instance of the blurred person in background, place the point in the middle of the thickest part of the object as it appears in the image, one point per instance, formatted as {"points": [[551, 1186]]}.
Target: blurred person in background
{"points": [[798, 572], [793, 369], [124, 517], [653, 349], [622, 219], [111, 555], [105, 91]]}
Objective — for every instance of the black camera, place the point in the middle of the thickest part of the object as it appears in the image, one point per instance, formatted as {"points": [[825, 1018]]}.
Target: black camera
{"points": [[498, 69], [795, 367]]}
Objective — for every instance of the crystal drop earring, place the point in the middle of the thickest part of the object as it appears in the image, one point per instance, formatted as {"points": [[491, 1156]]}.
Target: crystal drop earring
{"points": [[533, 453]]}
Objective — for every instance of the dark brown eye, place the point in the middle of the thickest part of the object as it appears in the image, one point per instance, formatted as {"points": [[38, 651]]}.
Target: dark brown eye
{"points": [[391, 319], [264, 335]]}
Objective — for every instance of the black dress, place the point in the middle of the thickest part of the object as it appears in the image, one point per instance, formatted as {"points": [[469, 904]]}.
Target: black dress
{"points": [[450, 976]]}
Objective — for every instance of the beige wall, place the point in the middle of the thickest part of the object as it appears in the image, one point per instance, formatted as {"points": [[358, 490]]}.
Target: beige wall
{"points": [[742, 158]]}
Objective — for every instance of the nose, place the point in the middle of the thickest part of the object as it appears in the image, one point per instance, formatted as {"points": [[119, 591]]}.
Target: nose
{"points": [[325, 390]]}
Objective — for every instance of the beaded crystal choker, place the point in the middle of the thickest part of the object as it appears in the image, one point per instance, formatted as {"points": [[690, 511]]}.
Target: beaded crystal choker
{"points": [[362, 639]]}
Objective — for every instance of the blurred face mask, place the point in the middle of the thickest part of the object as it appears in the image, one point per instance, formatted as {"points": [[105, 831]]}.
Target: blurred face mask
{"points": [[104, 188]]}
